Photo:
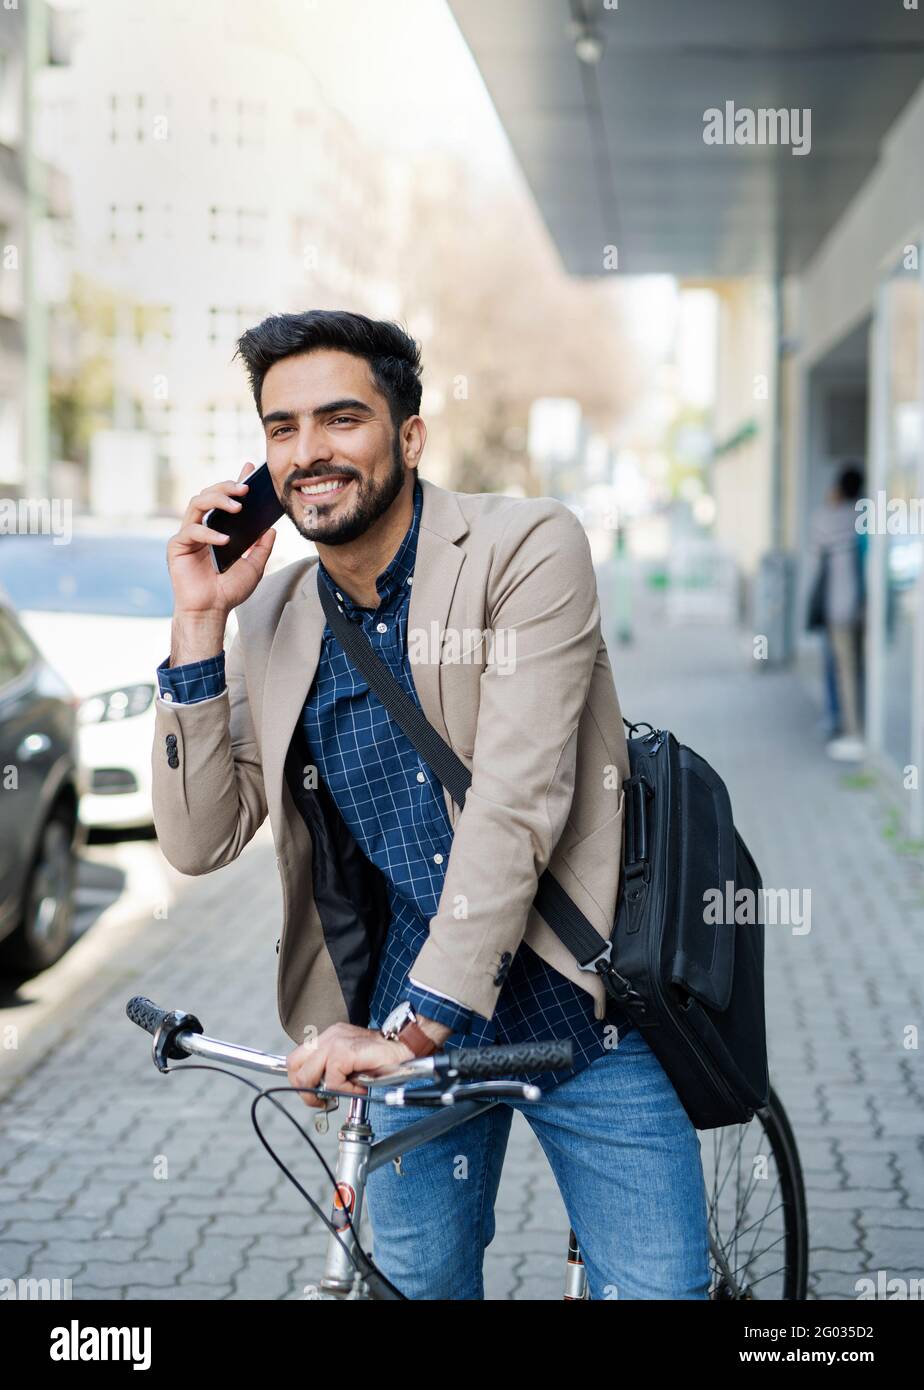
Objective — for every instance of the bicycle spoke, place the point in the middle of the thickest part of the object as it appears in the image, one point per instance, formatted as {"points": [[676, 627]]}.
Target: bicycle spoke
{"points": [[780, 1207], [751, 1188], [780, 1270], [740, 1206], [718, 1193], [759, 1221], [739, 1233], [760, 1255], [735, 1156]]}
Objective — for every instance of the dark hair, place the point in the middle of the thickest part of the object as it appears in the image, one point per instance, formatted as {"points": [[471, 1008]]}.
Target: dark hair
{"points": [[393, 356], [850, 481]]}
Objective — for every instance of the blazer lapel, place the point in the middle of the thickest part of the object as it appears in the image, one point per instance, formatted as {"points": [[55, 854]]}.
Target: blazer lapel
{"points": [[436, 572], [290, 670]]}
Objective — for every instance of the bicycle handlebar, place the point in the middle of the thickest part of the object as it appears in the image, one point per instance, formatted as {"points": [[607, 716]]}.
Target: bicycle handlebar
{"points": [[179, 1035]]}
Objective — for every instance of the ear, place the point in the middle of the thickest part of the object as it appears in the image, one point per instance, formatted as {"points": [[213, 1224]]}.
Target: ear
{"points": [[414, 433]]}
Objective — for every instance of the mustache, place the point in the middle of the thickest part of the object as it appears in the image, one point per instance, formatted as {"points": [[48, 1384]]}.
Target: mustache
{"points": [[309, 477]]}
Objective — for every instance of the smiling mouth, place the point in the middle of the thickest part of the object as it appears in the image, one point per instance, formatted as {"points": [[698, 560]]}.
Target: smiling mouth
{"points": [[321, 489]]}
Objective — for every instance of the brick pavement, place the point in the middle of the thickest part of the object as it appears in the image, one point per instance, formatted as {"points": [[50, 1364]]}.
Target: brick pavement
{"points": [[88, 1125], [839, 997]]}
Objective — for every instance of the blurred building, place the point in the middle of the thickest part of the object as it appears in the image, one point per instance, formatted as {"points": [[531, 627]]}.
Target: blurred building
{"points": [[12, 247], [857, 391], [34, 237], [214, 182], [774, 153]]}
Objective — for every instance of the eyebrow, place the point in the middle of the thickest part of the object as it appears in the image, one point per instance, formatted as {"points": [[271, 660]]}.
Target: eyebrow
{"points": [[331, 408]]}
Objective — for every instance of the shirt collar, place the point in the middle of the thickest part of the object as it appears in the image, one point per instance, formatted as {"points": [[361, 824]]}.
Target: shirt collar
{"points": [[397, 575]]}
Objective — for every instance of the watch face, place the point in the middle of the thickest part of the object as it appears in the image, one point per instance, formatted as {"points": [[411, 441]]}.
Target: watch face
{"points": [[397, 1019]]}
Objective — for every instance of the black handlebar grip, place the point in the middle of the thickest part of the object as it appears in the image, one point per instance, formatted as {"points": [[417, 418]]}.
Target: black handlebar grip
{"points": [[494, 1062], [146, 1014]]}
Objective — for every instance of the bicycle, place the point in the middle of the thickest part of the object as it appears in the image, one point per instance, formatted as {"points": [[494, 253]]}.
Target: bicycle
{"points": [[462, 1083]]}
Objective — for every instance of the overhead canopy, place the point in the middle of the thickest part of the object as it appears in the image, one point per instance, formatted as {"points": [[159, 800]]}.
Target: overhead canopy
{"points": [[615, 152]]}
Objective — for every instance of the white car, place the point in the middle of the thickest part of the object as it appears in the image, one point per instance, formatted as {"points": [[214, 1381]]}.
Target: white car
{"points": [[99, 607]]}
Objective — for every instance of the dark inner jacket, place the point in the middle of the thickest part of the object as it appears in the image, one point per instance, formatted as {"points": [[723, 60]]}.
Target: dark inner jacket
{"points": [[350, 892]]}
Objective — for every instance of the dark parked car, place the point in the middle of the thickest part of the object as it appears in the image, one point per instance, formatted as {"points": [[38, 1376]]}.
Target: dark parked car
{"points": [[39, 789]]}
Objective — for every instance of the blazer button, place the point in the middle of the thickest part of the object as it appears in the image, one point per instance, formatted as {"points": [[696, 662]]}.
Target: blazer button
{"points": [[502, 968], [170, 741], [173, 760]]}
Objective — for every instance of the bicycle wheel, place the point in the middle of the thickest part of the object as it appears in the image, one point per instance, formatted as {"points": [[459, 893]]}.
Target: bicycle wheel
{"points": [[758, 1224]]}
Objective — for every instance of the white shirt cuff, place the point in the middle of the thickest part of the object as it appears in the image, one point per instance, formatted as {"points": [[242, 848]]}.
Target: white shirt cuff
{"points": [[438, 992]]}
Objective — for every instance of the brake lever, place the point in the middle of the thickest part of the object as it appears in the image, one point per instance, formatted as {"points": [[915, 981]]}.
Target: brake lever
{"points": [[492, 1090], [405, 1072], [437, 1095]]}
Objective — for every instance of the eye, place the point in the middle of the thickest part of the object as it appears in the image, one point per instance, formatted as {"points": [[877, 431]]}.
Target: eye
{"points": [[280, 429], [350, 419]]}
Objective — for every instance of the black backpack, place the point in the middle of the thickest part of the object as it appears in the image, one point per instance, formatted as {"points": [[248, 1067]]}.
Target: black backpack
{"points": [[686, 971], [695, 991]]}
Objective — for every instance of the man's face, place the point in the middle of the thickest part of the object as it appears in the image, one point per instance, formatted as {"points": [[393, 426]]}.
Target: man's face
{"points": [[328, 430]]}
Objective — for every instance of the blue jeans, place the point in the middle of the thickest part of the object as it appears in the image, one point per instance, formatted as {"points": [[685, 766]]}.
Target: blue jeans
{"points": [[626, 1159]]}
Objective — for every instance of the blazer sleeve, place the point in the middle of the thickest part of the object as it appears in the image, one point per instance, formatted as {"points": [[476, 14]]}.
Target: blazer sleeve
{"points": [[541, 605], [207, 776]]}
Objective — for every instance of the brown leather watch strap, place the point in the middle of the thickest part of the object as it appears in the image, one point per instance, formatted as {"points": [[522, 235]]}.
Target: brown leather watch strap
{"points": [[417, 1040]]}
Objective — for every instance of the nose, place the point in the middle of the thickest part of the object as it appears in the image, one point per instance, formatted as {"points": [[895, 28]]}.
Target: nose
{"points": [[311, 446]]}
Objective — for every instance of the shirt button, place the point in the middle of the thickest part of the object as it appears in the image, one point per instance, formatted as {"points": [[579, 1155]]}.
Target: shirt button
{"points": [[166, 695], [381, 627], [340, 596], [410, 579], [421, 777], [437, 859]]}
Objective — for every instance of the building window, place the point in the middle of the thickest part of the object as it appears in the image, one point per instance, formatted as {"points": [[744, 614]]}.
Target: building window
{"points": [[153, 322], [231, 434], [237, 122], [132, 115], [134, 222], [242, 227], [227, 325]]}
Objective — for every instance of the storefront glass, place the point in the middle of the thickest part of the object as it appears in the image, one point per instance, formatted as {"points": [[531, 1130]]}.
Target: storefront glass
{"points": [[901, 551]]}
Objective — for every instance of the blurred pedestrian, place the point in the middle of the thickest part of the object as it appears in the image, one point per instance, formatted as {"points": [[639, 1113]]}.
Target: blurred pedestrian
{"points": [[836, 555]]}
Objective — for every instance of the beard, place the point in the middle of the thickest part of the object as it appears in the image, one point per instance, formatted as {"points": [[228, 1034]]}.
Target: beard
{"points": [[372, 500]]}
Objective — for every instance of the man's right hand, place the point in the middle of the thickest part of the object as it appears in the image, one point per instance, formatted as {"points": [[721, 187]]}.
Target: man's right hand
{"points": [[203, 598]]}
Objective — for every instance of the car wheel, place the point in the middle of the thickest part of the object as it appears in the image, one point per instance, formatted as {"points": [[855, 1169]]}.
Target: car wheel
{"points": [[44, 930]]}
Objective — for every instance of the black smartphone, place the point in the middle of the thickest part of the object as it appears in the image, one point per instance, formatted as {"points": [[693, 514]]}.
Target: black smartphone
{"points": [[260, 509]]}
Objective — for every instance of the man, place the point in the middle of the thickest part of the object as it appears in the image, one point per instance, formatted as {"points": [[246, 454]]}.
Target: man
{"points": [[833, 534], [400, 911]]}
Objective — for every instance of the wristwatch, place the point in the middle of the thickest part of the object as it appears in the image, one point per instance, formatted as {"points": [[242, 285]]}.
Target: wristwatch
{"points": [[401, 1025]]}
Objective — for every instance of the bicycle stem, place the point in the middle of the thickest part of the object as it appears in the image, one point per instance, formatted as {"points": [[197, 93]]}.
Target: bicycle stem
{"points": [[354, 1147]]}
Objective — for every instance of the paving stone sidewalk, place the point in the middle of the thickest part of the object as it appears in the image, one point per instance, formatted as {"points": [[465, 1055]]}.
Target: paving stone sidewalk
{"points": [[840, 997], [135, 1185]]}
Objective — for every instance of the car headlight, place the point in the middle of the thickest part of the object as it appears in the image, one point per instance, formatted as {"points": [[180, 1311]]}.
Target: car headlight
{"points": [[123, 703]]}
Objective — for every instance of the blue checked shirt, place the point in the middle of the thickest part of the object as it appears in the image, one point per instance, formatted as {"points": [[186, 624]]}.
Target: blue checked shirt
{"points": [[393, 805]]}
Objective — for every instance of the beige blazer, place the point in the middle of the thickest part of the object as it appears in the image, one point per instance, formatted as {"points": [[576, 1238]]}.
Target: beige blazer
{"points": [[510, 667]]}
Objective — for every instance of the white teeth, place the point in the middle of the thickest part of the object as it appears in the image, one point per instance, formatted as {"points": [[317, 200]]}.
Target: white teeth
{"points": [[311, 489]]}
